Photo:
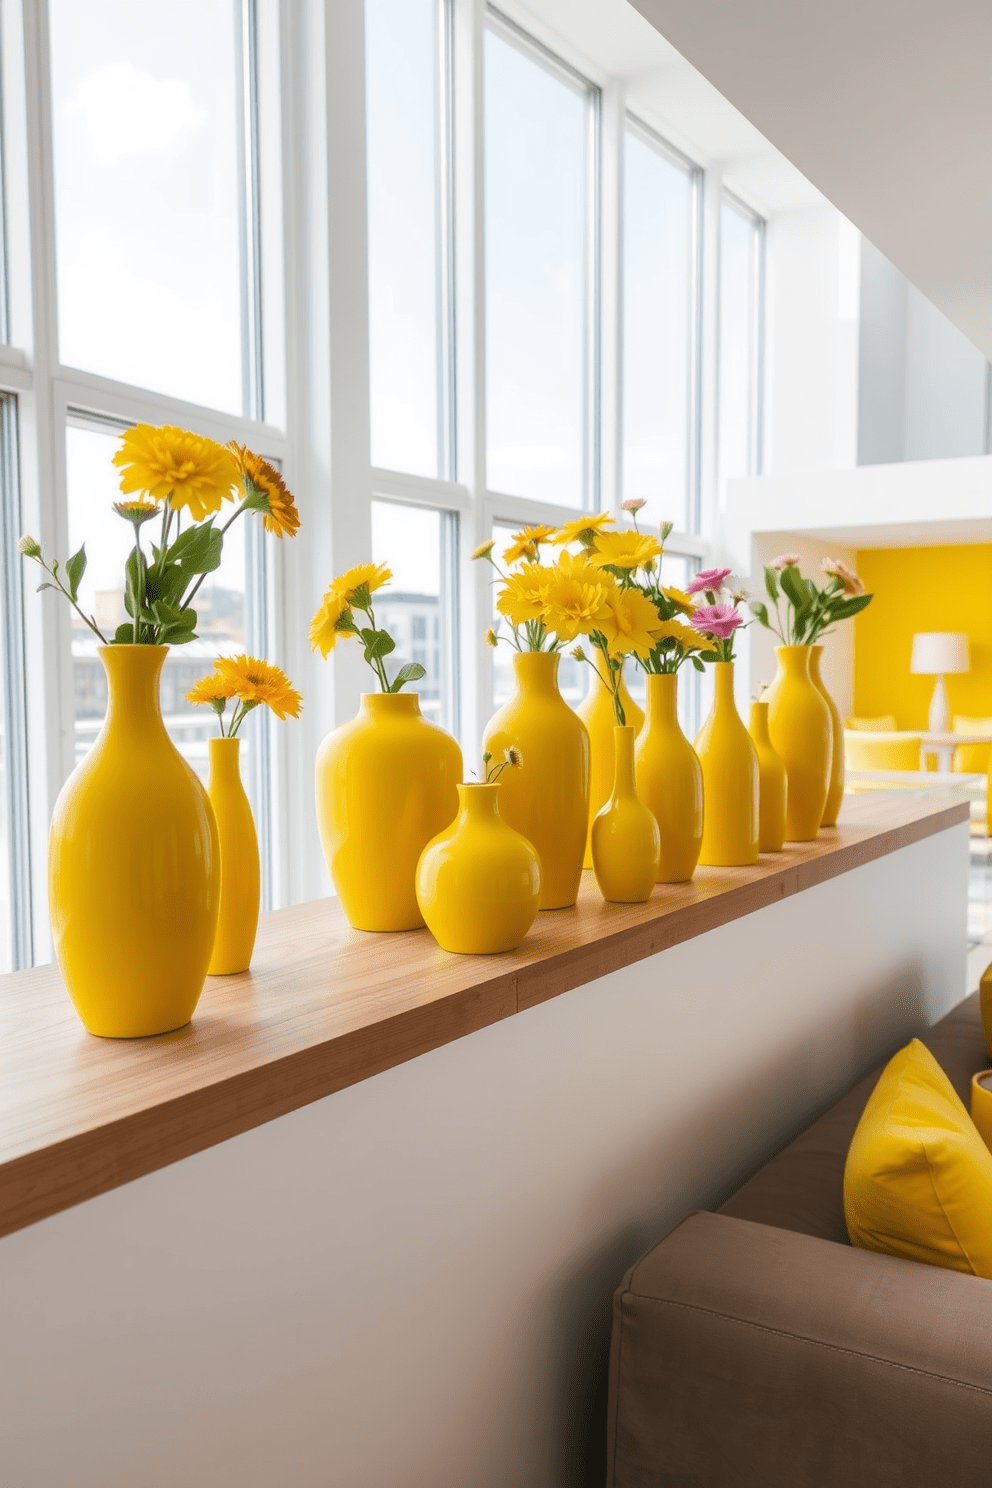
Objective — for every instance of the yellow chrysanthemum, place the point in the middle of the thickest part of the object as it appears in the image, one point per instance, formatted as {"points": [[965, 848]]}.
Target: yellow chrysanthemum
{"points": [[211, 689], [370, 576], [255, 681], [281, 516], [573, 607], [140, 508], [578, 566], [625, 549], [584, 529], [525, 544], [679, 599], [325, 625], [484, 549], [174, 465], [631, 626], [522, 597]]}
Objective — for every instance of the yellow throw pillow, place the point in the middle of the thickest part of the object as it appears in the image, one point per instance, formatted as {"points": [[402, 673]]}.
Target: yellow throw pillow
{"points": [[918, 1177], [885, 724], [972, 759]]}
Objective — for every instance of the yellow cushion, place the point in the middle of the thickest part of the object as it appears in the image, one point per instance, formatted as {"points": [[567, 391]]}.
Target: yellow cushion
{"points": [[884, 724], [918, 1177], [895, 751], [972, 759]]}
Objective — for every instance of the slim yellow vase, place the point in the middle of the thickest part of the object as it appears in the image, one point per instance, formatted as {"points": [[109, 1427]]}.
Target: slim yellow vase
{"points": [[133, 865], [626, 843], [386, 783], [547, 800], [599, 716], [479, 881], [730, 780], [835, 792], [237, 921], [772, 784], [670, 781], [801, 732]]}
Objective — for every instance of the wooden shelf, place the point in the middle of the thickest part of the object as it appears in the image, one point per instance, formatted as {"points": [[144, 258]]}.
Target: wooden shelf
{"points": [[325, 1006]]}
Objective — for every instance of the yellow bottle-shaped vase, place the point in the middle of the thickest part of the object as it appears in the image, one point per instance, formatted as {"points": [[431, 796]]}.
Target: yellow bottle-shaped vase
{"points": [[479, 881], [670, 781], [801, 732], [626, 843], [547, 799], [835, 791], [239, 867], [730, 780], [386, 783], [599, 716], [772, 784], [133, 865]]}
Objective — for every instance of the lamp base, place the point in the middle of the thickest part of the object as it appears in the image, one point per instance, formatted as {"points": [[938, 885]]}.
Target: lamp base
{"points": [[940, 713]]}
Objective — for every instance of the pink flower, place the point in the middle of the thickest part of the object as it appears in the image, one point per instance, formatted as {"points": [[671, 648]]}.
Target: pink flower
{"points": [[785, 560], [709, 578], [633, 504], [716, 620]]}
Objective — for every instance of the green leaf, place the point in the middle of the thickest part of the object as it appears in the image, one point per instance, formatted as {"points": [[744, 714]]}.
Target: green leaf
{"points": [[761, 611], [45, 585], [771, 583], [75, 568], [849, 607], [697, 663], [134, 575], [182, 542], [412, 672], [378, 643], [123, 635], [794, 589], [203, 554]]}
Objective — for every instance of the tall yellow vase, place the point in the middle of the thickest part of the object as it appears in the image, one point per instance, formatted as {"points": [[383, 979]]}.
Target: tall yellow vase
{"points": [[670, 781], [237, 920], [801, 732], [547, 801], [625, 839], [772, 783], [835, 793], [599, 716], [730, 780], [133, 865]]}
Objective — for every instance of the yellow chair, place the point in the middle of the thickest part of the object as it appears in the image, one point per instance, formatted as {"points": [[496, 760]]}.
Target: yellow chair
{"points": [[884, 724], [895, 749], [972, 759]]}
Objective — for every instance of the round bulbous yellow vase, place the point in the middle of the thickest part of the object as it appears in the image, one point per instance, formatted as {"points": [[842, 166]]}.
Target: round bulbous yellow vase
{"points": [[626, 843], [772, 784], [599, 716], [133, 865], [670, 781], [385, 785], [730, 780], [237, 920], [835, 793], [801, 732], [547, 799], [479, 881]]}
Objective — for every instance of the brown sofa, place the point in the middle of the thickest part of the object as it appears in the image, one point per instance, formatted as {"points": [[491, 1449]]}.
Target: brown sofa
{"points": [[757, 1346]]}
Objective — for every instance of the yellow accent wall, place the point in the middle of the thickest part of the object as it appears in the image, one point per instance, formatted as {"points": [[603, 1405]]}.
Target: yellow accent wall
{"points": [[922, 589]]}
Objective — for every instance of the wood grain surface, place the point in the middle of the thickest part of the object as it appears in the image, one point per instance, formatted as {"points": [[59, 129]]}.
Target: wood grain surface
{"points": [[325, 1006]]}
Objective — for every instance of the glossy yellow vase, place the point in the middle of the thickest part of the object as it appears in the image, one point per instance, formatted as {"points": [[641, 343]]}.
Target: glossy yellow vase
{"points": [[626, 843], [670, 781], [801, 732], [772, 784], [133, 865], [835, 791], [599, 716], [237, 920], [386, 783], [479, 881], [730, 780], [547, 800]]}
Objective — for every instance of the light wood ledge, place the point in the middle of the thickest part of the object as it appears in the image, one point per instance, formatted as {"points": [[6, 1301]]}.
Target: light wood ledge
{"points": [[325, 1006]]}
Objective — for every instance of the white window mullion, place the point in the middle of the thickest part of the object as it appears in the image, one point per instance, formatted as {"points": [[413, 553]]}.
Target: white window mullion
{"points": [[611, 294]]}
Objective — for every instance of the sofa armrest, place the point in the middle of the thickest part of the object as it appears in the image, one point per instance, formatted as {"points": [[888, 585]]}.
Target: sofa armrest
{"points": [[744, 1354]]}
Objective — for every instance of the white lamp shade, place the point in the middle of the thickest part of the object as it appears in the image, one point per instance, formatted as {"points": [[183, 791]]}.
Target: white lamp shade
{"points": [[940, 653]]}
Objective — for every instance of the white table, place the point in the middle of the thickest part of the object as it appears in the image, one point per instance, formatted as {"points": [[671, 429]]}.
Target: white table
{"points": [[943, 745]]}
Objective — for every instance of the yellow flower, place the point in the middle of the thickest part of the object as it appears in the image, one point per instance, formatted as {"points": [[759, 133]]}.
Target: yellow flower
{"points": [[513, 757], [688, 639], [625, 549], [584, 529], [575, 607], [211, 689], [370, 576], [174, 465], [262, 480], [484, 549], [255, 681], [492, 639], [525, 544], [632, 624], [326, 625], [522, 596], [679, 599], [139, 508]]}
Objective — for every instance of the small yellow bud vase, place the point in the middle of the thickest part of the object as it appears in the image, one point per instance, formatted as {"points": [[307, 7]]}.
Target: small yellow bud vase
{"points": [[730, 780], [626, 843], [835, 794], [801, 733], [670, 781], [599, 716], [385, 785], [547, 799], [772, 784], [133, 865], [479, 881], [239, 867]]}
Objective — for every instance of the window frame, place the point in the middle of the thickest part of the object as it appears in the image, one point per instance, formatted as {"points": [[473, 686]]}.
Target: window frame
{"points": [[756, 389]]}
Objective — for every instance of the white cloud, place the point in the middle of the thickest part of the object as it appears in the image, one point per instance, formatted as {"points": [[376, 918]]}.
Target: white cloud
{"points": [[126, 112]]}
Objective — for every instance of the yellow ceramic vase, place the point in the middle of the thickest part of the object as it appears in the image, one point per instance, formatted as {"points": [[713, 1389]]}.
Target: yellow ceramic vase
{"points": [[599, 716], [385, 784], [772, 783], [133, 865], [730, 780], [670, 781], [479, 881], [626, 843], [239, 869], [801, 734], [835, 792], [547, 799]]}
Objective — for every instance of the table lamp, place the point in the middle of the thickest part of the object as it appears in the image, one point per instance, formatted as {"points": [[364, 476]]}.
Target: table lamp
{"points": [[940, 654]]}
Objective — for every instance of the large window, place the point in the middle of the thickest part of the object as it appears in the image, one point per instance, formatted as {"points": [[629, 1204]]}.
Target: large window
{"points": [[741, 312], [417, 608]]}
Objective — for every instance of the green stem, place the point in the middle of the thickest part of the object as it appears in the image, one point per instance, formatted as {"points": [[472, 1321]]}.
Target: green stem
{"points": [[63, 590]]}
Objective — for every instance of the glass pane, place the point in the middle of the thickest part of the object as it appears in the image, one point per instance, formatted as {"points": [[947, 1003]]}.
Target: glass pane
{"points": [[147, 171], [415, 607], [536, 183], [738, 329], [658, 308], [573, 676], [400, 50]]}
